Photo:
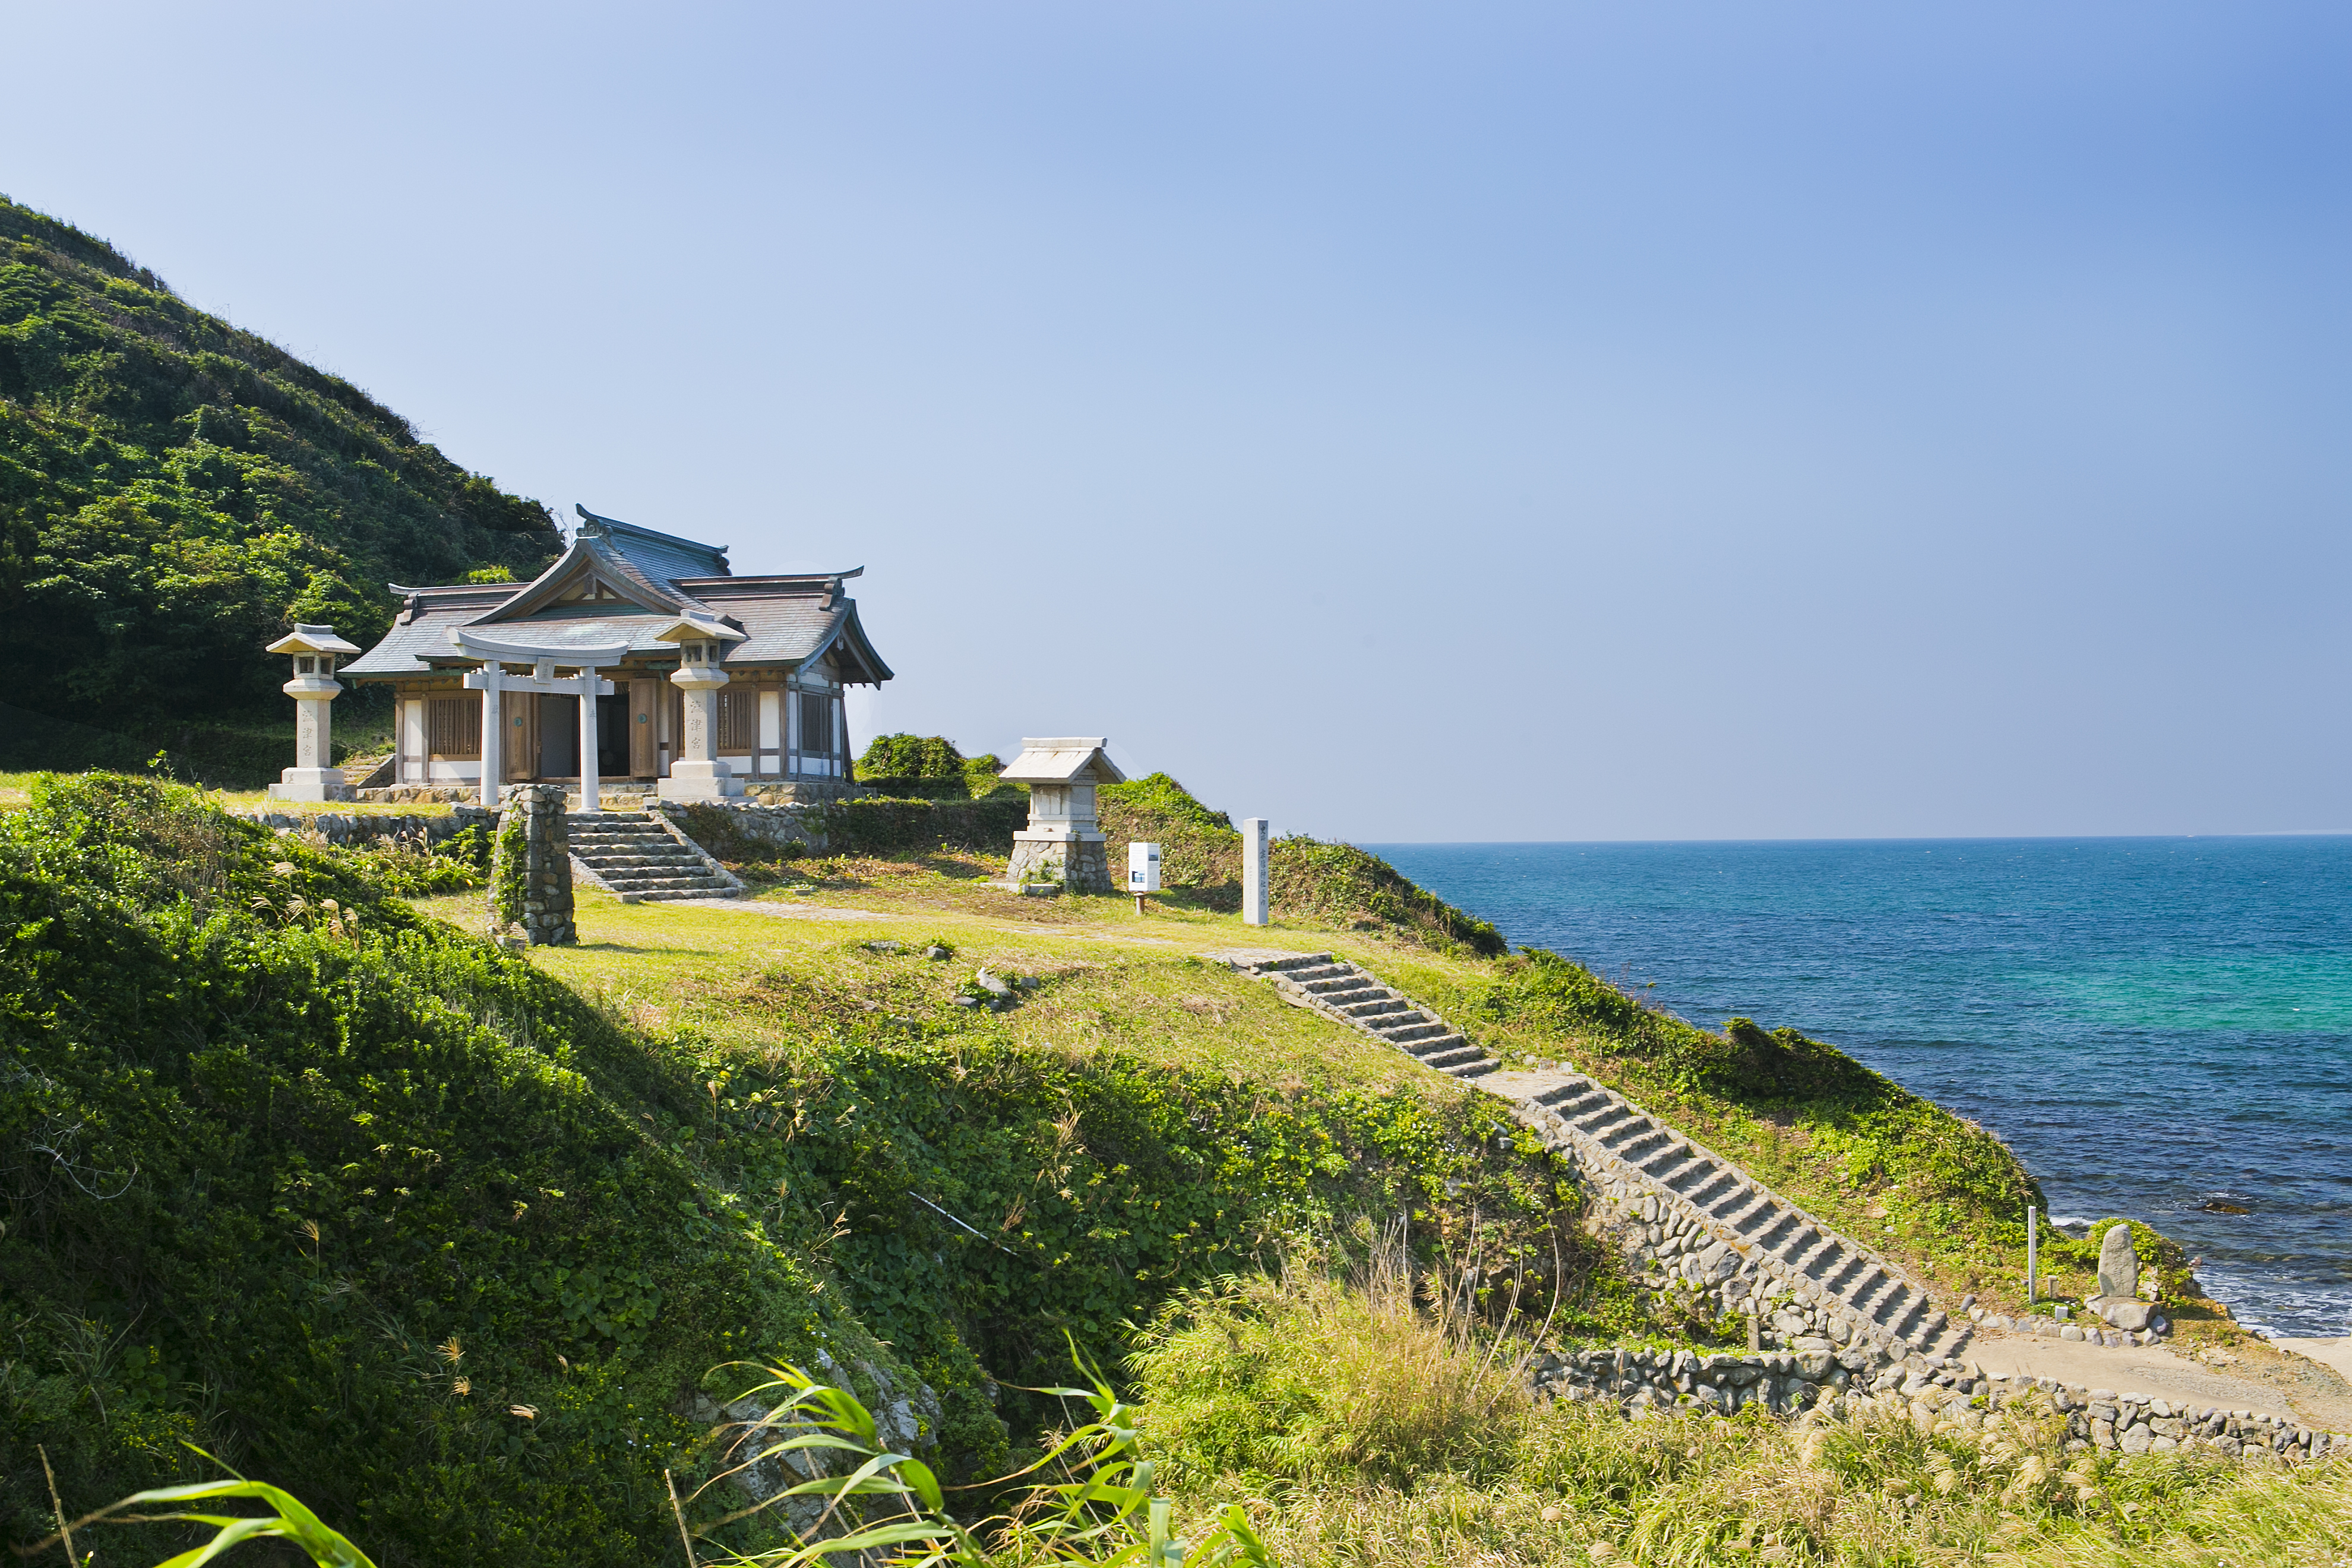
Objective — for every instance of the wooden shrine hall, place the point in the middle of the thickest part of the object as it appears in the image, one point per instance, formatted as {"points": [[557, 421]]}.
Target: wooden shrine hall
{"points": [[636, 657]]}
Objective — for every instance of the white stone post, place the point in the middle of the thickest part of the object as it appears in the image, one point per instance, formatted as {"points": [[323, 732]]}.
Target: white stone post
{"points": [[1254, 847], [590, 689], [588, 728], [486, 680]]}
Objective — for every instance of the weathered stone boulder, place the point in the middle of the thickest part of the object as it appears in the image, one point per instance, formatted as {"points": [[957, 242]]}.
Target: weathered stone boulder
{"points": [[2125, 1312], [2118, 1265]]}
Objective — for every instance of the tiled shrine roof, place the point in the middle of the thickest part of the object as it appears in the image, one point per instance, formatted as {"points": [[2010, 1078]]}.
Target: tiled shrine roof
{"points": [[642, 582]]}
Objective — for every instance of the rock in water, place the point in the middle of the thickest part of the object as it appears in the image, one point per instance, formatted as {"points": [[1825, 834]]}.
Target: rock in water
{"points": [[2118, 1268]]}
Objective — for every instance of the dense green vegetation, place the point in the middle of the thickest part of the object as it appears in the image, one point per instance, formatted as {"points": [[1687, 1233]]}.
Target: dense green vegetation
{"points": [[174, 492], [345, 1195], [928, 767], [1381, 1436]]}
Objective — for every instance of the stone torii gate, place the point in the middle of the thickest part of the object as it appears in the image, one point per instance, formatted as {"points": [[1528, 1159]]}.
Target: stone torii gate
{"points": [[492, 679]]}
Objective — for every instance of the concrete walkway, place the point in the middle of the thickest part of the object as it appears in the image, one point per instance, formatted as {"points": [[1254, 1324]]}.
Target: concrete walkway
{"points": [[2337, 1354], [2256, 1379]]}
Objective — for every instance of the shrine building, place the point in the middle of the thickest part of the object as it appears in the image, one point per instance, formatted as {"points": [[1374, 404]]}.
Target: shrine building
{"points": [[700, 683]]}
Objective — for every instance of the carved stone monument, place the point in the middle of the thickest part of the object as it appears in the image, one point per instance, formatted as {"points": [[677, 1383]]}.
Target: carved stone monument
{"points": [[2118, 1265], [1062, 841]]}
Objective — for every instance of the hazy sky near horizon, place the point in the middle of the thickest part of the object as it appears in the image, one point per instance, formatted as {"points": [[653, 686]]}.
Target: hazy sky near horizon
{"points": [[1441, 422]]}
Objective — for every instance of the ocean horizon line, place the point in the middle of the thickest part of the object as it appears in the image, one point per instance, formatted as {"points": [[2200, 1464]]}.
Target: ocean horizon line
{"points": [[1911, 838]]}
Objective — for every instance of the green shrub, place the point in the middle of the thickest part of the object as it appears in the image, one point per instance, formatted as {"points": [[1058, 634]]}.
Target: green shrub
{"points": [[1309, 1380], [1200, 852]]}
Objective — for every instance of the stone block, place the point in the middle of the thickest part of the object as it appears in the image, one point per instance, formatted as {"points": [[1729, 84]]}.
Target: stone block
{"points": [[2125, 1312]]}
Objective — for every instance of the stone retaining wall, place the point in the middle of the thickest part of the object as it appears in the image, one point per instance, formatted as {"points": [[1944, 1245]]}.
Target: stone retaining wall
{"points": [[345, 828], [1863, 1378], [2088, 1330], [747, 829], [1675, 1249]]}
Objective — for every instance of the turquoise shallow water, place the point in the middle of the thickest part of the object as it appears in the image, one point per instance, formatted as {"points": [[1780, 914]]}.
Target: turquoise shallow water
{"points": [[2152, 1023]]}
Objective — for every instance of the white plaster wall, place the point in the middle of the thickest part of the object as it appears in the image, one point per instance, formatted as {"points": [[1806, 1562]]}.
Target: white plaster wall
{"points": [[411, 729]]}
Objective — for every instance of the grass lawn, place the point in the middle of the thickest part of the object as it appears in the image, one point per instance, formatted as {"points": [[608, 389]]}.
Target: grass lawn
{"points": [[1143, 985], [1140, 984]]}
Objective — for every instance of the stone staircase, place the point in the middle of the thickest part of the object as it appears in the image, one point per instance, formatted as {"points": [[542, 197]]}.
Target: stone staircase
{"points": [[638, 856], [1336, 987], [1846, 1289], [1707, 1222]]}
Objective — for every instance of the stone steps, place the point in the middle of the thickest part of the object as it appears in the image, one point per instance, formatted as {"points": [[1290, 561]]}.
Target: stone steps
{"points": [[1708, 1198], [1340, 990], [1620, 1142], [635, 857]]}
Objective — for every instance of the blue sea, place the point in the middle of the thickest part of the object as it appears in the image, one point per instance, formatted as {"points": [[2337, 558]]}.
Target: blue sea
{"points": [[2153, 1024]]}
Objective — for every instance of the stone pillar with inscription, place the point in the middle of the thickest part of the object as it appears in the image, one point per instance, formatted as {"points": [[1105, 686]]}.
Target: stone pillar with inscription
{"points": [[1255, 903]]}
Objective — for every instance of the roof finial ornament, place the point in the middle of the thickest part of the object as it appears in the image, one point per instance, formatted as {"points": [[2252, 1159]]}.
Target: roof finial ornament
{"points": [[591, 525]]}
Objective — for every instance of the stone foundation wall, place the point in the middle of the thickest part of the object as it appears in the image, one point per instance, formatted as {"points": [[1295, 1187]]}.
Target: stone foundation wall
{"points": [[1083, 867], [2084, 1330], [1863, 1378]]}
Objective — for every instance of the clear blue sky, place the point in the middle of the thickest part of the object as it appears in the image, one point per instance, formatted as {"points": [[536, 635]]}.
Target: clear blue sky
{"points": [[1455, 421]]}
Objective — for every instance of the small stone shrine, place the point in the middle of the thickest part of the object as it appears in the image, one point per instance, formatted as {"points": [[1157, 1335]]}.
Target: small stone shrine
{"points": [[531, 877], [313, 776], [1062, 841]]}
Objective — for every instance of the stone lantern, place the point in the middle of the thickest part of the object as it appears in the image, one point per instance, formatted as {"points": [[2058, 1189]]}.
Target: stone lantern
{"points": [[697, 773], [1062, 841], [315, 650]]}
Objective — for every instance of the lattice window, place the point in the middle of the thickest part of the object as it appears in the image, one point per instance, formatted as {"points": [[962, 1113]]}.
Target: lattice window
{"points": [[816, 724], [739, 719], [453, 725]]}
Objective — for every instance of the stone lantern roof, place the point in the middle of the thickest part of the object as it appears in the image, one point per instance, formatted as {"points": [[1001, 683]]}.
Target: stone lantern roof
{"points": [[306, 638]]}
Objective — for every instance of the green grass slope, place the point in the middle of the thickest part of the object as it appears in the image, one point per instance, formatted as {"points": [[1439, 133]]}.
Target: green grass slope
{"points": [[174, 492], [358, 1203]]}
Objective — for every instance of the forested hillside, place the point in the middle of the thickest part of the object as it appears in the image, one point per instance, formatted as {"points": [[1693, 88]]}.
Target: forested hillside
{"points": [[174, 492]]}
